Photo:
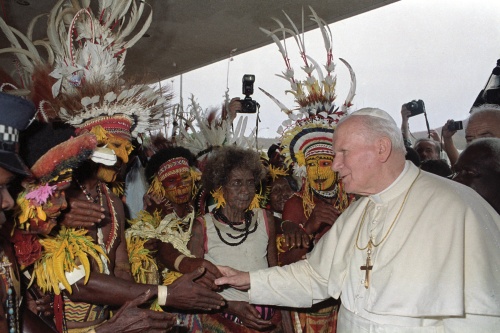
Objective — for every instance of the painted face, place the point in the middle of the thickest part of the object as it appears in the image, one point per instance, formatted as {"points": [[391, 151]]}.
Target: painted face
{"points": [[5, 197], [56, 203], [178, 187], [122, 148], [319, 172], [280, 193], [482, 126], [355, 159], [427, 151], [53, 207], [239, 190]]}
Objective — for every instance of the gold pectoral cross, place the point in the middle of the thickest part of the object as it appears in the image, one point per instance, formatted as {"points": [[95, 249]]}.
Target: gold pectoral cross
{"points": [[368, 266]]}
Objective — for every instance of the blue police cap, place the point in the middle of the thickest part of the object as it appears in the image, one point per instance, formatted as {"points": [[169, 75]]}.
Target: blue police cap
{"points": [[16, 114]]}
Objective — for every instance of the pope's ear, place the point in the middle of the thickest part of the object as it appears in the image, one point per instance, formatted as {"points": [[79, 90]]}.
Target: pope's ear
{"points": [[384, 148]]}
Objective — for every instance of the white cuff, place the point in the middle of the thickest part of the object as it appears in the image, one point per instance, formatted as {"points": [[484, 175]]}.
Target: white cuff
{"points": [[162, 295]]}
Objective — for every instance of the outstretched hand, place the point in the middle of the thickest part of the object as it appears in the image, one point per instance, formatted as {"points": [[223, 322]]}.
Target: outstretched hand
{"points": [[207, 279], [82, 213], [185, 293], [234, 278], [248, 315], [130, 318]]}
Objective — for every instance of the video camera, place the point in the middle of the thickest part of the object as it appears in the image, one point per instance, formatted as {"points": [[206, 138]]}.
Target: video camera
{"points": [[248, 105]]}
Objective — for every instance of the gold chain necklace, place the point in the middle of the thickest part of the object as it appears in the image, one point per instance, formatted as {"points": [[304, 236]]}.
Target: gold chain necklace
{"points": [[368, 247]]}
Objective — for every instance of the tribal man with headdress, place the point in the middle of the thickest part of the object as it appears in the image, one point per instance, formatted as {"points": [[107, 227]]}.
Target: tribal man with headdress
{"points": [[81, 84], [307, 147]]}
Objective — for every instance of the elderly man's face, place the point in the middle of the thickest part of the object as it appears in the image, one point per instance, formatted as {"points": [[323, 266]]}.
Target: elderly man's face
{"points": [[475, 168], [482, 126], [427, 150], [355, 158]]}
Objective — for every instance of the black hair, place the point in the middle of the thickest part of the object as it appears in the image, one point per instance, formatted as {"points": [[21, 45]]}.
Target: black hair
{"points": [[227, 159], [40, 137]]}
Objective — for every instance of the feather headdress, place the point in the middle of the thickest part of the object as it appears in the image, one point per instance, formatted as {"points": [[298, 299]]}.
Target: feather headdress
{"points": [[85, 64], [311, 124], [309, 129], [201, 132], [315, 95]]}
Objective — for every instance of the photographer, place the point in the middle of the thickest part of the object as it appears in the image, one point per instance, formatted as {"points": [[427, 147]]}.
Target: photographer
{"points": [[405, 129], [483, 122]]}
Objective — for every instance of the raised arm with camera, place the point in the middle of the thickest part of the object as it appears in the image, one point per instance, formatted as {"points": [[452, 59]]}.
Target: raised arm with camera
{"points": [[405, 127], [447, 132]]}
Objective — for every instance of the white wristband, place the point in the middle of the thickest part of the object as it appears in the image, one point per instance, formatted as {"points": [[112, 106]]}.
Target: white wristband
{"points": [[162, 295], [177, 262]]}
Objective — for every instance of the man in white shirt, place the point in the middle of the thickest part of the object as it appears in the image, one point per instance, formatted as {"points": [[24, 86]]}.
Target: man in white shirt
{"points": [[416, 253]]}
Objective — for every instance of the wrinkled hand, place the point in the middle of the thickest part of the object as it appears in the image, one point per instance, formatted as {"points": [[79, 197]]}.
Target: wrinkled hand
{"points": [[211, 272], [323, 215], [447, 134], [248, 315], [152, 244], [44, 304], [233, 278], [130, 318], [82, 213], [295, 236], [185, 294]]}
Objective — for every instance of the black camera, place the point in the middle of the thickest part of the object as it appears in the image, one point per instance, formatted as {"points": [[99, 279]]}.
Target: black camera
{"points": [[455, 126], [248, 105], [415, 107]]}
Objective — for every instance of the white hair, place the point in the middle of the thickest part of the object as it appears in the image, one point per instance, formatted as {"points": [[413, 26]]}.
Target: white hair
{"points": [[492, 109], [379, 123]]}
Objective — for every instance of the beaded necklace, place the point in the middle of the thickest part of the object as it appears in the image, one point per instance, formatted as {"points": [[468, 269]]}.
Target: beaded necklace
{"points": [[326, 194], [89, 196], [243, 232], [12, 313], [103, 191]]}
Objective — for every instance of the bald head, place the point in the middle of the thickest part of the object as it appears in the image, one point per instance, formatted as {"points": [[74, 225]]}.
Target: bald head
{"points": [[479, 168], [484, 122]]}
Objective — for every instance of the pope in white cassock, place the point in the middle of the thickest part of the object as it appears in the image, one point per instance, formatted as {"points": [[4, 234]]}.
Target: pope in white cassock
{"points": [[416, 253]]}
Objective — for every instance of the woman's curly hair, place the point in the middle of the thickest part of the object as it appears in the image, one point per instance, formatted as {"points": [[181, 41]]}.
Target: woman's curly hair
{"points": [[227, 159], [164, 155]]}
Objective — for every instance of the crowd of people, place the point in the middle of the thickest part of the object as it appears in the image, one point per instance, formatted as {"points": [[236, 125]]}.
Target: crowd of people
{"points": [[345, 225]]}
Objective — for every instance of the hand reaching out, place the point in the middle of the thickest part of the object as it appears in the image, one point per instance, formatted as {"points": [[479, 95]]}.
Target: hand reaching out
{"points": [[248, 315], [234, 278], [185, 293], [130, 318]]}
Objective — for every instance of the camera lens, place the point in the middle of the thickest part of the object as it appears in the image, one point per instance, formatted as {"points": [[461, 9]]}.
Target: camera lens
{"points": [[411, 106]]}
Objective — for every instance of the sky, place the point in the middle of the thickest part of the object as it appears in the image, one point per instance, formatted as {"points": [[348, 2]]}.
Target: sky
{"points": [[440, 51]]}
